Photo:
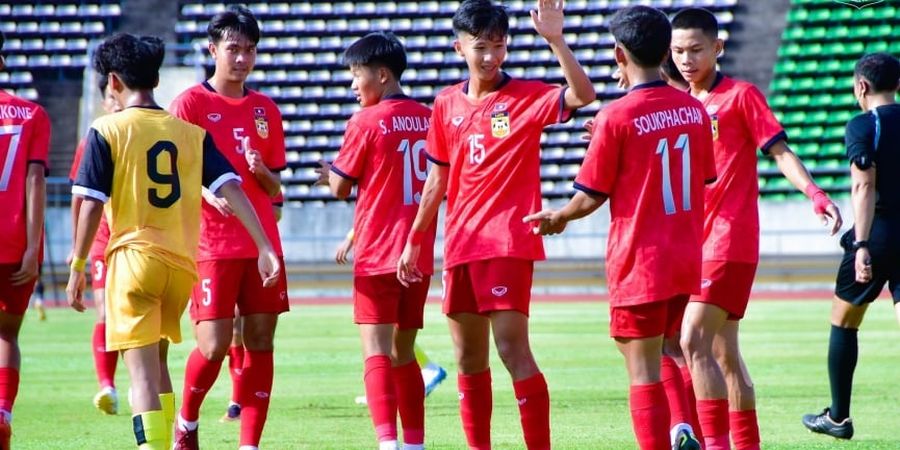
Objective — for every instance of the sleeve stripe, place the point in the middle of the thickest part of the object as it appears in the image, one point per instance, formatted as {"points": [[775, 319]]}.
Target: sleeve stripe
{"points": [[343, 174], [224, 178], [564, 114], [436, 161], [781, 136], [593, 193], [88, 192]]}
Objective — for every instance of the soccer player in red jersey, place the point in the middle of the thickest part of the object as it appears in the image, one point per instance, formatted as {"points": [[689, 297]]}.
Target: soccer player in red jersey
{"points": [[107, 399], [246, 126], [742, 123], [485, 144], [384, 155], [650, 155], [24, 143]]}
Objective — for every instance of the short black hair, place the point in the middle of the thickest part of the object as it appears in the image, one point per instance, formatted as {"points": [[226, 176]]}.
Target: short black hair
{"points": [[881, 70], [236, 19], [378, 49], [481, 18], [644, 31], [135, 59], [671, 71], [698, 18]]}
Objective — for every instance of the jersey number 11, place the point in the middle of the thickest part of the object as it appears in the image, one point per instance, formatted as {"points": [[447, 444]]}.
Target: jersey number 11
{"points": [[683, 144]]}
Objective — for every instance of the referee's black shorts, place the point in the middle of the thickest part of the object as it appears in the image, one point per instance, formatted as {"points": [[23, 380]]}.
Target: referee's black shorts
{"points": [[884, 247]]}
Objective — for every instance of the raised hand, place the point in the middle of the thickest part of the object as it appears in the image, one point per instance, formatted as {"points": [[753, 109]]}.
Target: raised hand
{"points": [[253, 157], [548, 19]]}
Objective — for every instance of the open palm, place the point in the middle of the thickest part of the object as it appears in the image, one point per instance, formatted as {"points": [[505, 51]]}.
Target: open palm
{"points": [[548, 18]]}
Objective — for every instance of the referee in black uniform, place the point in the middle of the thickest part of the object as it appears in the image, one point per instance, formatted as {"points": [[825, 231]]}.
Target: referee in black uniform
{"points": [[872, 246]]}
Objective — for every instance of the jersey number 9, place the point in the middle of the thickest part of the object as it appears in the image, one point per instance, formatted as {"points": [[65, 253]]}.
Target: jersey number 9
{"points": [[169, 179]]}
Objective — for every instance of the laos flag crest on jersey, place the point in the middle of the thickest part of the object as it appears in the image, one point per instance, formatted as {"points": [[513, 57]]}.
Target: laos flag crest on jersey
{"points": [[500, 124], [262, 125], [714, 120]]}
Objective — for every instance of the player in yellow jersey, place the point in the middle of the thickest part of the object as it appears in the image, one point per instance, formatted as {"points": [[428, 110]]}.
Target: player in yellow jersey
{"points": [[148, 168]]}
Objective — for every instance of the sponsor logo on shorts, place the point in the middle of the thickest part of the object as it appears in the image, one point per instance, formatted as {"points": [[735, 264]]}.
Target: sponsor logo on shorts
{"points": [[705, 283], [521, 401], [499, 291], [461, 395]]}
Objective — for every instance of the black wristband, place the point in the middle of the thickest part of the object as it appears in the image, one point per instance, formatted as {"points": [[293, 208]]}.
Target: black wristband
{"points": [[860, 244]]}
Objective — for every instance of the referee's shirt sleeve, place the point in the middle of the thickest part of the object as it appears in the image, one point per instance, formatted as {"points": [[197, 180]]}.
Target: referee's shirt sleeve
{"points": [[95, 172], [859, 138], [216, 169]]}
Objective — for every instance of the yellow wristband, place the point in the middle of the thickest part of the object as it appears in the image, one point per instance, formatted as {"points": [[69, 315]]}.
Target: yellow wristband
{"points": [[78, 264], [350, 234]]}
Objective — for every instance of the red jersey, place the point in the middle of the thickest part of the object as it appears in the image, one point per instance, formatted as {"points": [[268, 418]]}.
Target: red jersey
{"points": [[101, 239], [493, 149], [229, 120], [742, 122], [650, 153], [24, 140], [384, 153]]}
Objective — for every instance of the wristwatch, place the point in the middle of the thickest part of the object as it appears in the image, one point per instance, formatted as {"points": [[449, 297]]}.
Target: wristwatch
{"points": [[860, 244]]}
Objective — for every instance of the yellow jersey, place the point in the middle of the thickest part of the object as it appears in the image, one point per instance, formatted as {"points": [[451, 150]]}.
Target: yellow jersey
{"points": [[148, 167]]}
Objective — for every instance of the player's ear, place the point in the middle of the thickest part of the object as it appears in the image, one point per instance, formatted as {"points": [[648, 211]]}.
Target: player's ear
{"points": [[719, 47], [2, 62], [458, 47], [619, 55], [212, 49]]}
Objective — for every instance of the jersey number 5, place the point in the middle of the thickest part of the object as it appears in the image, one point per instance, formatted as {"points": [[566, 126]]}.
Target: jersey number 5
{"points": [[167, 179], [662, 148]]}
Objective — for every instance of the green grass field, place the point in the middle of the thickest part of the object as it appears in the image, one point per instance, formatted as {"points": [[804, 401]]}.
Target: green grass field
{"points": [[318, 373]]}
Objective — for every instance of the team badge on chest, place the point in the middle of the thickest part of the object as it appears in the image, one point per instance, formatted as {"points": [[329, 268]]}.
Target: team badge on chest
{"points": [[262, 125], [714, 120], [500, 124]]}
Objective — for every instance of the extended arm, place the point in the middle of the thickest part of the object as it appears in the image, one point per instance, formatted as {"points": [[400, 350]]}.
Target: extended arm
{"points": [[794, 170], [432, 195], [548, 21], [554, 222]]}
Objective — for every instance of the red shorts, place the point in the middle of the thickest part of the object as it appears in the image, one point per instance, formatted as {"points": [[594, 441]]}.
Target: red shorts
{"points": [[662, 318], [98, 273], [14, 299], [727, 285], [381, 299], [489, 285], [228, 282]]}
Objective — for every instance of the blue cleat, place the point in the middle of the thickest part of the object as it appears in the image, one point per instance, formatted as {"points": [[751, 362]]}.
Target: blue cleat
{"points": [[433, 378]]}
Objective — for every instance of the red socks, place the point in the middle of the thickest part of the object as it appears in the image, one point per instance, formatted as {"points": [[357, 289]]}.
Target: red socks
{"points": [[534, 411], [380, 396], [692, 401], [475, 405], [199, 376], [9, 388], [104, 361], [410, 390], [744, 429], [673, 383], [235, 367], [255, 390], [713, 416], [650, 416]]}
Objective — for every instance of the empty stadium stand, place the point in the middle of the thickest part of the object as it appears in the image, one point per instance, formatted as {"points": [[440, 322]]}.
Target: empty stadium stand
{"points": [[812, 89], [299, 66]]}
